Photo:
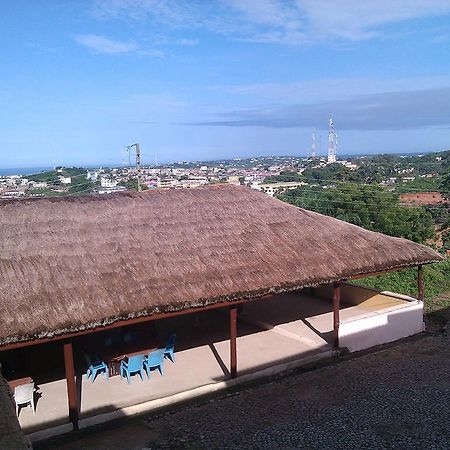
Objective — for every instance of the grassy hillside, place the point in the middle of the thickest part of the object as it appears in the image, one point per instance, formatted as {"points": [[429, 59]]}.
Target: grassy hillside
{"points": [[53, 175]]}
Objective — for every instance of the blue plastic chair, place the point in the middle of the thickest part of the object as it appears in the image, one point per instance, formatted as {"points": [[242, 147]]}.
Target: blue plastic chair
{"points": [[170, 344], [154, 360], [134, 365], [95, 367]]}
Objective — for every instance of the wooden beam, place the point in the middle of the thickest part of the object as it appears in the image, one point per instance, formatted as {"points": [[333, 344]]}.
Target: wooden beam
{"points": [[336, 305], [71, 385], [126, 322], [233, 346], [420, 282], [374, 274]]}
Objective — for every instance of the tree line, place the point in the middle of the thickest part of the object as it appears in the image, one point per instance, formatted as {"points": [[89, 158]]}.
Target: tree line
{"points": [[368, 206]]}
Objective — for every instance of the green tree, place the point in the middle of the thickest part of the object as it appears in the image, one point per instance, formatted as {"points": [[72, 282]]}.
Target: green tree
{"points": [[367, 206], [446, 240], [81, 186], [284, 177], [445, 186], [331, 172], [132, 184]]}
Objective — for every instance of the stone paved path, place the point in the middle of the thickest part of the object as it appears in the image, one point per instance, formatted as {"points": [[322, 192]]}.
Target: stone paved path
{"points": [[397, 398]]}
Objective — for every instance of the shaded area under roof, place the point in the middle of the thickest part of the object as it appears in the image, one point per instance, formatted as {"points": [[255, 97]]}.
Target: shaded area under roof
{"points": [[68, 264], [11, 435]]}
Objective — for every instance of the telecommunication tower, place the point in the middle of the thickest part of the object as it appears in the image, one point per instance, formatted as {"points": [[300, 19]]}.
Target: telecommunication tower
{"points": [[332, 142], [313, 146]]}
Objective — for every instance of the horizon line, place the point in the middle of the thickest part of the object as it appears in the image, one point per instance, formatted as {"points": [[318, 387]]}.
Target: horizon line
{"points": [[162, 163]]}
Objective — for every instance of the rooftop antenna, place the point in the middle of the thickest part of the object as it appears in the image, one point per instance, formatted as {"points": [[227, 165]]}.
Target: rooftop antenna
{"points": [[138, 163], [332, 142]]}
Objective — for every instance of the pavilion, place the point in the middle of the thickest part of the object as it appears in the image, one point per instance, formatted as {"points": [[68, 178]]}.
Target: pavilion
{"points": [[75, 266]]}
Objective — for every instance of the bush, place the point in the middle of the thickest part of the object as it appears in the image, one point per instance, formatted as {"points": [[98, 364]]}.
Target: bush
{"points": [[446, 240]]}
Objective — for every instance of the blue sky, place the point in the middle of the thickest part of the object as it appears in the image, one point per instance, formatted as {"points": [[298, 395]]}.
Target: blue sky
{"points": [[80, 80]]}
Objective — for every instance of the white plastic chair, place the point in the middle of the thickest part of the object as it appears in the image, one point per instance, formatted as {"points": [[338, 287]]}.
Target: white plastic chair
{"points": [[24, 395]]}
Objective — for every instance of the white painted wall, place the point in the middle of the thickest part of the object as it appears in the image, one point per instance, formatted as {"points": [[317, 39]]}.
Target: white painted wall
{"points": [[381, 327]]}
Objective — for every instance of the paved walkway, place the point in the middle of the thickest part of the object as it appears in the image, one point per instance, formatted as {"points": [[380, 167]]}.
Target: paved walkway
{"points": [[396, 398]]}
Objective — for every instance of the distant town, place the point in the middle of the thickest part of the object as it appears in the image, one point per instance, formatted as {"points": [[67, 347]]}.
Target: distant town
{"points": [[272, 174]]}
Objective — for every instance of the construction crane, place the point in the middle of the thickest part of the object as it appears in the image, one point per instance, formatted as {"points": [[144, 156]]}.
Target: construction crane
{"points": [[138, 163]]}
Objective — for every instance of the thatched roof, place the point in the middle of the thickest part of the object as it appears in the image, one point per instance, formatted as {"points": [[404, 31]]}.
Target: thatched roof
{"points": [[73, 263]]}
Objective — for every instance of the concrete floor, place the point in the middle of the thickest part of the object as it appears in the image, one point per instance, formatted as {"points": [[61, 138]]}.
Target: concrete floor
{"points": [[310, 319], [380, 400], [270, 332]]}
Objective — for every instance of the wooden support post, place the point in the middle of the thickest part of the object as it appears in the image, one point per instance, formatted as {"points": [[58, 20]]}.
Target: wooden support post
{"points": [[71, 385], [420, 282], [233, 347], [336, 304]]}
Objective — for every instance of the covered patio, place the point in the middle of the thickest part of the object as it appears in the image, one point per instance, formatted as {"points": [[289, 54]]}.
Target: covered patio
{"points": [[277, 333], [223, 267]]}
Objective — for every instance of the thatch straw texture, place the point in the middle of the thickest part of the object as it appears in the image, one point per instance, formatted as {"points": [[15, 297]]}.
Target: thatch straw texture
{"points": [[67, 264]]}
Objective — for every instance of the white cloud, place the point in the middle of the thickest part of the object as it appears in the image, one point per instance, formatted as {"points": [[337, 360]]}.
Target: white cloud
{"points": [[175, 12], [355, 19], [187, 42], [303, 21], [150, 52], [103, 44], [291, 22], [268, 12]]}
